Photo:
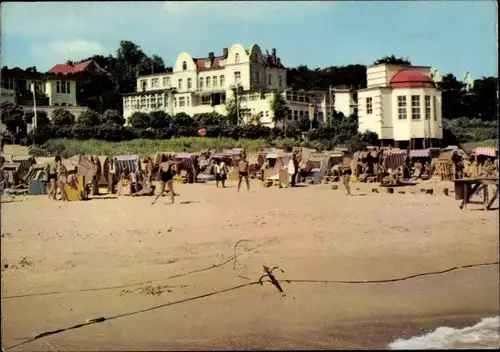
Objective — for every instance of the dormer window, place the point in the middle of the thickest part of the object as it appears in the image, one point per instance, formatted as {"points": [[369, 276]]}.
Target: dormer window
{"points": [[184, 66], [237, 58], [207, 64]]}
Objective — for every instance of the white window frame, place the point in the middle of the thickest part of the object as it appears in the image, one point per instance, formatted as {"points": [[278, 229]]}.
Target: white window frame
{"points": [[237, 77], [179, 84], [415, 107], [402, 107], [221, 81], [189, 83], [369, 105], [428, 109]]}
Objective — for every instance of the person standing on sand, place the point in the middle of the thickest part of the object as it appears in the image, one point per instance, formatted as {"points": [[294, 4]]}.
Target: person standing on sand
{"points": [[220, 170], [165, 179], [53, 177], [346, 178], [149, 170], [243, 171], [62, 179]]}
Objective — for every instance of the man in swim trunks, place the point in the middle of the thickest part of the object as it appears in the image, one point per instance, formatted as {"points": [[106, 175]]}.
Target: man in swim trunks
{"points": [[53, 177], [243, 171]]}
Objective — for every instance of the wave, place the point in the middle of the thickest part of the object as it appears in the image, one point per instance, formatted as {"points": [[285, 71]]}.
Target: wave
{"points": [[484, 334]]}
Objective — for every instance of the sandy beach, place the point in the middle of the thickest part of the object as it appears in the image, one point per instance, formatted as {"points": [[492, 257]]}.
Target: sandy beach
{"points": [[110, 257]]}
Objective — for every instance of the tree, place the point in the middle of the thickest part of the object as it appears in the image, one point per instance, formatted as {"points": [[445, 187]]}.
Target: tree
{"points": [[139, 120], [209, 119], [11, 115], [62, 117], [393, 60], [89, 118], [113, 117], [158, 119], [452, 97], [42, 119], [279, 108], [232, 108]]}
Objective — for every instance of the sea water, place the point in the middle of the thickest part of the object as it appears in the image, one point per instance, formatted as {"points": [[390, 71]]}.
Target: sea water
{"points": [[485, 334]]}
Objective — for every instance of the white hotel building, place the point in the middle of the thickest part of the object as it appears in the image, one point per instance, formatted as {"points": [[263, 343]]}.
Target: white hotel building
{"points": [[201, 85], [402, 105]]}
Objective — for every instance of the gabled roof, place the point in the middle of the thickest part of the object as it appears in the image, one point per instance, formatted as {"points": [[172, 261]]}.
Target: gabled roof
{"points": [[215, 63], [81, 67]]}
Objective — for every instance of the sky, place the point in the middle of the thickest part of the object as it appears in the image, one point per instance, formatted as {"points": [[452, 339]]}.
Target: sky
{"points": [[452, 36]]}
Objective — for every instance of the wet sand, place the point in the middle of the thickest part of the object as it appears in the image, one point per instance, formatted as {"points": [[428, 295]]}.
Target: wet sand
{"points": [[312, 233]]}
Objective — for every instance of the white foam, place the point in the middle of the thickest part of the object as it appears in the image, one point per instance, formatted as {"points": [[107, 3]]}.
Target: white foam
{"points": [[485, 334]]}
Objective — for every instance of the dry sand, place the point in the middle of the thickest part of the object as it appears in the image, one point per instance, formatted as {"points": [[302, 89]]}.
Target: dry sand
{"points": [[312, 233]]}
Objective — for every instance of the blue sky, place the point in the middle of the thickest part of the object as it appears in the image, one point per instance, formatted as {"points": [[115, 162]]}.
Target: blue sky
{"points": [[453, 36]]}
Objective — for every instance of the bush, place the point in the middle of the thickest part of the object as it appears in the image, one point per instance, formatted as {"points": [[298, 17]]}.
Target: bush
{"points": [[139, 120], [111, 117], [62, 117], [42, 119], [158, 119], [89, 118]]}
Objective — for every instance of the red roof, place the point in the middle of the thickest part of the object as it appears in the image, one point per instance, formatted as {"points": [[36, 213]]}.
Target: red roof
{"points": [[411, 79], [215, 63], [67, 69]]}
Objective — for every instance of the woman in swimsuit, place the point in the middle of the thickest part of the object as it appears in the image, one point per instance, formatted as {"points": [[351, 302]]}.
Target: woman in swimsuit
{"points": [[62, 179], [243, 171], [165, 177]]}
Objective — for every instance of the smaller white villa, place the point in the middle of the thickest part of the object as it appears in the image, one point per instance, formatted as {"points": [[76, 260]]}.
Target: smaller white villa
{"points": [[402, 105]]}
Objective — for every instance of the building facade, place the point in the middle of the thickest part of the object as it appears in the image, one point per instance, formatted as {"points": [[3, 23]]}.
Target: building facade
{"points": [[203, 85], [402, 105]]}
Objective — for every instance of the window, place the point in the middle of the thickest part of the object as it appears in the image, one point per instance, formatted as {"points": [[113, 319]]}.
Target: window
{"points": [[179, 84], [301, 114], [201, 82], [153, 102], [237, 58], [7, 83], [63, 87], [182, 101], [188, 101], [434, 108], [402, 107], [270, 80], [280, 81], [166, 82], [415, 107], [207, 82], [148, 102], [143, 102], [222, 81], [144, 85], [189, 83], [295, 115], [237, 77], [256, 77], [223, 97], [427, 107], [206, 100], [160, 101], [214, 81], [155, 83], [68, 87], [175, 102], [369, 106], [184, 66], [58, 87]]}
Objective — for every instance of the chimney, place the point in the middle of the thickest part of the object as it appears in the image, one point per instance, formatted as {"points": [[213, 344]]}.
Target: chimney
{"points": [[225, 52], [273, 56], [211, 55]]}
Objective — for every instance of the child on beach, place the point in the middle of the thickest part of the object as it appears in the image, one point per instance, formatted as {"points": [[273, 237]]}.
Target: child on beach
{"points": [[243, 171]]}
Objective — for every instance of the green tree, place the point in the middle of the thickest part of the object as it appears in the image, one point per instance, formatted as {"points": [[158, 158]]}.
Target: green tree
{"points": [[452, 97], [89, 118], [232, 108], [113, 117], [62, 117], [42, 118], [158, 119], [279, 109], [139, 120], [209, 119], [393, 60], [12, 116]]}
